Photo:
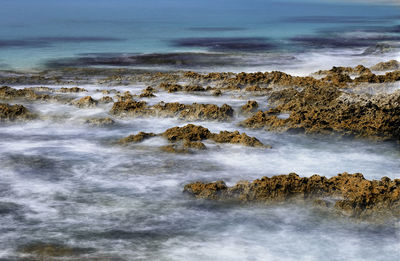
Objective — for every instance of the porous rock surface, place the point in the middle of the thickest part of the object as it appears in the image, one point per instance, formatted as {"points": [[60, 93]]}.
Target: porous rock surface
{"points": [[351, 193]]}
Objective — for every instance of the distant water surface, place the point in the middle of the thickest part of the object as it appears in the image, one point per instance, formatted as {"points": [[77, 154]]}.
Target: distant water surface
{"points": [[277, 34]]}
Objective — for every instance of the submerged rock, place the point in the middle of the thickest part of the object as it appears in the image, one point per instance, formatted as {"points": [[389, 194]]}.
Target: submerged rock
{"points": [[191, 112], [352, 193], [329, 110], [100, 122], [8, 93], [191, 136], [249, 107], [386, 66], [44, 251], [106, 99], [14, 112], [72, 90], [141, 136], [86, 102]]}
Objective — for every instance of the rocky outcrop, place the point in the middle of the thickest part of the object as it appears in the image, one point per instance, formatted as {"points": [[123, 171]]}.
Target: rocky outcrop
{"points": [[50, 251], [190, 136], [8, 93], [100, 122], [329, 110], [350, 193], [14, 112], [191, 112], [386, 66], [72, 90], [249, 107], [85, 102], [141, 136]]}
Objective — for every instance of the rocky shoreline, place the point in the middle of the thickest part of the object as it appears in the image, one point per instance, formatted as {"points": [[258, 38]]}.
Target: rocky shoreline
{"points": [[351, 194], [329, 102]]}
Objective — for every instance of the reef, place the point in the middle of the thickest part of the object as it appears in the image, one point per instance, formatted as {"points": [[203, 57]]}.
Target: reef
{"points": [[85, 102], [51, 251], [100, 122], [190, 136], [350, 194], [386, 66], [327, 110], [191, 112], [14, 112]]}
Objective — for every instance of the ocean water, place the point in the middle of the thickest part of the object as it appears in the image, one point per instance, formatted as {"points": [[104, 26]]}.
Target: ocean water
{"points": [[295, 36], [65, 183]]}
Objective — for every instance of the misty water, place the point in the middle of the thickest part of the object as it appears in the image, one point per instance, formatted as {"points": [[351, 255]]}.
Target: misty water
{"points": [[64, 182]]}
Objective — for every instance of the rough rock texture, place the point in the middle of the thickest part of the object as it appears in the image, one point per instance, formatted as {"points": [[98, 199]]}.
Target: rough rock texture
{"points": [[48, 251], [236, 138], [14, 112], [249, 107], [146, 94], [191, 136], [386, 66], [328, 109], [100, 122], [106, 99], [191, 112], [194, 88], [141, 136], [85, 102], [128, 108], [8, 93], [171, 87], [352, 193], [72, 90]]}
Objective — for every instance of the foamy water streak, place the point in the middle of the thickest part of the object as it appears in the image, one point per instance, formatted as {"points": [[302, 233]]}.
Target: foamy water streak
{"points": [[65, 182]]}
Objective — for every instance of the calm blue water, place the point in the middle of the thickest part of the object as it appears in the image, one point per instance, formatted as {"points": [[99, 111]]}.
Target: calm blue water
{"points": [[32, 32]]}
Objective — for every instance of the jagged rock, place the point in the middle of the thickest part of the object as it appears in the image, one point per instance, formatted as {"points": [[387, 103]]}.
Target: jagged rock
{"points": [[171, 87], [129, 107], [14, 112], [100, 122], [194, 88], [190, 137], [8, 93], [353, 194], [249, 107], [85, 102], [106, 99], [72, 90], [327, 109], [386, 66], [217, 93], [146, 94], [191, 112], [236, 138], [47, 251], [207, 112], [141, 136], [188, 132]]}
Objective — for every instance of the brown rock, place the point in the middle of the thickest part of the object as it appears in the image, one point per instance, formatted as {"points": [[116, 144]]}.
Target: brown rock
{"points": [[14, 112], [100, 122], [386, 66], [354, 194], [249, 107], [86, 102], [73, 90], [141, 136], [106, 99], [236, 138]]}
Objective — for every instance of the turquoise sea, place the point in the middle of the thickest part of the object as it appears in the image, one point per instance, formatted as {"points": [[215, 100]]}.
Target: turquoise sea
{"points": [[262, 34]]}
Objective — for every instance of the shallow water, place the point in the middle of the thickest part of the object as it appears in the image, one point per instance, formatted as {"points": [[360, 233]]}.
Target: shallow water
{"points": [[65, 182]]}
